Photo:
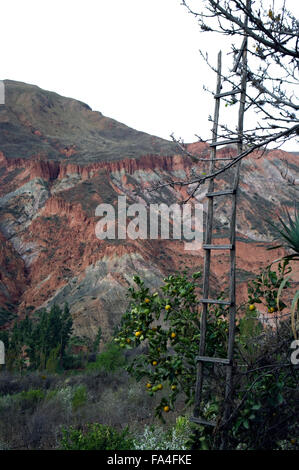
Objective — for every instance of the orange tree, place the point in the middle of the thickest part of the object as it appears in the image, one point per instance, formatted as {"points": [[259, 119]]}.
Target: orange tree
{"points": [[164, 328], [167, 324]]}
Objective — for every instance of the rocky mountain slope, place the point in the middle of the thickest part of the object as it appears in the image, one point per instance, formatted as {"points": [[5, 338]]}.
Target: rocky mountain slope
{"points": [[59, 160]]}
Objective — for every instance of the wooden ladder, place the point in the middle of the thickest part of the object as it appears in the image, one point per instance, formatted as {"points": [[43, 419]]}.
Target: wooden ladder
{"points": [[209, 246]]}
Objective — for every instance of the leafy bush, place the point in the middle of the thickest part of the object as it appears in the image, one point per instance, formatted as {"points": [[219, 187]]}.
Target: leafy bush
{"points": [[111, 359], [25, 400], [265, 401], [53, 360], [96, 437], [265, 287], [79, 397], [179, 437], [3, 446], [31, 396], [6, 401]]}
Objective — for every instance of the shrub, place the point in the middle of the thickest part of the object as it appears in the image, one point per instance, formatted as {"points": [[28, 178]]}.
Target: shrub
{"points": [[79, 397], [29, 399], [32, 395], [53, 360], [65, 396], [95, 437], [178, 437], [3, 446], [264, 410], [111, 359]]}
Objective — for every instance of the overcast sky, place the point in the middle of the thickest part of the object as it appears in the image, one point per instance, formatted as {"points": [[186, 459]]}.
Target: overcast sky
{"points": [[136, 61]]}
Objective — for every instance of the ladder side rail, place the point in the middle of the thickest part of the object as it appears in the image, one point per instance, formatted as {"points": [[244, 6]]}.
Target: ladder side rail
{"points": [[232, 287], [208, 239]]}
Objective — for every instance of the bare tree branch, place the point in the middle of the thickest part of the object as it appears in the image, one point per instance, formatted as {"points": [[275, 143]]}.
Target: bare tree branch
{"points": [[202, 179]]}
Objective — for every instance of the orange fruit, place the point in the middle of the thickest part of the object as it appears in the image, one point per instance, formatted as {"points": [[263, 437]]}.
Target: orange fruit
{"points": [[138, 333], [251, 307], [173, 387], [147, 300], [160, 386], [168, 307], [148, 385], [166, 408], [173, 335], [154, 363]]}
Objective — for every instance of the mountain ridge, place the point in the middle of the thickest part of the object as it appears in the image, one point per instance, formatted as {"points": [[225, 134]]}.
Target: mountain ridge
{"points": [[46, 123], [50, 186]]}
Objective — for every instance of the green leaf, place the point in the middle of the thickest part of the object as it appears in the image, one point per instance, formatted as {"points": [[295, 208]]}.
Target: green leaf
{"points": [[280, 399], [246, 424], [257, 406], [282, 285], [293, 310]]}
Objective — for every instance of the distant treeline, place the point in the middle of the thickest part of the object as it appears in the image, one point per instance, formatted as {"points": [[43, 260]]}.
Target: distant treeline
{"points": [[40, 341]]}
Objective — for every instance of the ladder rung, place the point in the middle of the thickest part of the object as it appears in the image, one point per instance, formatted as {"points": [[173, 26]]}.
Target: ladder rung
{"points": [[221, 193], [224, 142], [212, 301], [227, 93], [213, 359], [217, 247], [202, 421]]}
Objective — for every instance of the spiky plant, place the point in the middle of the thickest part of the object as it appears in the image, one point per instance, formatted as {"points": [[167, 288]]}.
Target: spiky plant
{"points": [[288, 233]]}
